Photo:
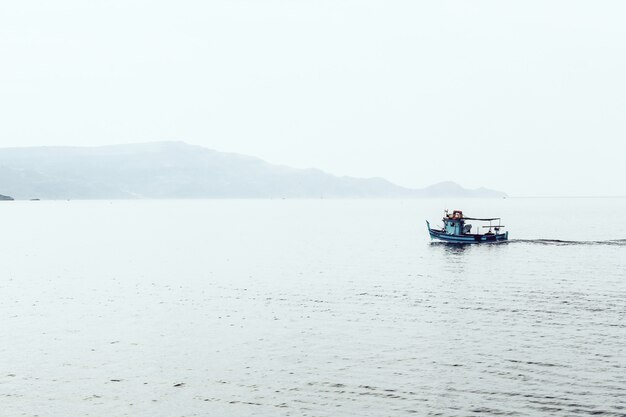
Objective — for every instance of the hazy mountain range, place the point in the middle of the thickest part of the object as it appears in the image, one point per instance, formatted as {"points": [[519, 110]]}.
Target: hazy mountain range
{"points": [[179, 170]]}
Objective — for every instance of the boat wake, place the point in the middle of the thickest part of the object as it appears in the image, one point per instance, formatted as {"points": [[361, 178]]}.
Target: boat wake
{"points": [[558, 242]]}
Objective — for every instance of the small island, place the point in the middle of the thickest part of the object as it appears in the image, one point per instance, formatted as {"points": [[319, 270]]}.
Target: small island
{"points": [[6, 198]]}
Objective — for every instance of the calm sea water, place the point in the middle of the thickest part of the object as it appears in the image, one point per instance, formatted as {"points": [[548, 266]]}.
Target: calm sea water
{"points": [[310, 308]]}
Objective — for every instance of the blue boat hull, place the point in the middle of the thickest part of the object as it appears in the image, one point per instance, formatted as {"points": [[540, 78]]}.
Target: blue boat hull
{"points": [[467, 238]]}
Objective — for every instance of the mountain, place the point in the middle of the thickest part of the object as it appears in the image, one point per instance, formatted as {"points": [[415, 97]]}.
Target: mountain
{"points": [[179, 170], [452, 189], [6, 198]]}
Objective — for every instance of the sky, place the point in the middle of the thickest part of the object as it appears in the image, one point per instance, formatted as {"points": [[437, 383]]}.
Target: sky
{"points": [[527, 97]]}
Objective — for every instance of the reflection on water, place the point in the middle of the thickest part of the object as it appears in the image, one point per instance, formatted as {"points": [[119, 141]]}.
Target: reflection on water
{"points": [[452, 248]]}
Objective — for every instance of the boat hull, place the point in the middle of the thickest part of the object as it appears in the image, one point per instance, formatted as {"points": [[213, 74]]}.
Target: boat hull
{"points": [[467, 238]]}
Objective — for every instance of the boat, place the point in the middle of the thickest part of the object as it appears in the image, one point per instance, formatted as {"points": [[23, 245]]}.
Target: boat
{"points": [[456, 230]]}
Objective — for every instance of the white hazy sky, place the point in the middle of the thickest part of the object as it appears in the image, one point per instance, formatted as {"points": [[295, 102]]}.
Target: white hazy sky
{"points": [[528, 97]]}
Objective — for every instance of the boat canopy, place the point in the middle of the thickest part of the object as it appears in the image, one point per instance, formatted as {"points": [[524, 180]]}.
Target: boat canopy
{"points": [[484, 220]]}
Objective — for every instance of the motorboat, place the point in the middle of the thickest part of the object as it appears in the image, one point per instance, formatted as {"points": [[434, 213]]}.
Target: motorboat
{"points": [[456, 229]]}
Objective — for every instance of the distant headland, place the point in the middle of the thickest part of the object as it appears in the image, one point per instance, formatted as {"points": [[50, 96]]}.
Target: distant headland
{"points": [[164, 170], [6, 198]]}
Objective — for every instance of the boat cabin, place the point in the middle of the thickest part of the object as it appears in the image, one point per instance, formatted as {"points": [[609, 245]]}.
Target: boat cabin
{"points": [[454, 224]]}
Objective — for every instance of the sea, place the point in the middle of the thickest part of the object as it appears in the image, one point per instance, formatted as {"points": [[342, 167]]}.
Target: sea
{"points": [[311, 308]]}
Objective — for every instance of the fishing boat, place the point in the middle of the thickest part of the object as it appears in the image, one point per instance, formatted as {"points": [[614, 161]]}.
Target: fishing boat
{"points": [[456, 230]]}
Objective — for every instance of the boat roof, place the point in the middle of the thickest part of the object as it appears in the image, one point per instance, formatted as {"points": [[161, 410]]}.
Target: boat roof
{"points": [[484, 220]]}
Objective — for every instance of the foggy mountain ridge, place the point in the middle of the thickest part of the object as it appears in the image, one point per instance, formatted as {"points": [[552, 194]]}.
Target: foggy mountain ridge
{"points": [[179, 170]]}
